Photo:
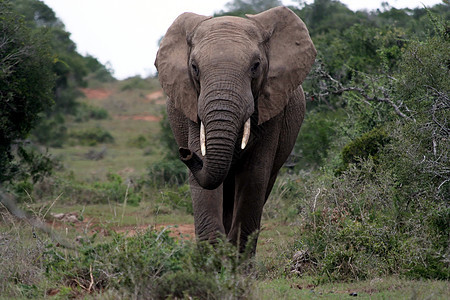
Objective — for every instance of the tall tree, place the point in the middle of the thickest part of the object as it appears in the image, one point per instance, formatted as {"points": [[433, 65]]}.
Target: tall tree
{"points": [[242, 7], [26, 82]]}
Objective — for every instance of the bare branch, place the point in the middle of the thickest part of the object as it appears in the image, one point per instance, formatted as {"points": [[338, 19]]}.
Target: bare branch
{"points": [[337, 88]]}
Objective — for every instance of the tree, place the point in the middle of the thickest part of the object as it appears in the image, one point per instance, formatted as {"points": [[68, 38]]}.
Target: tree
{"points": [[26, 83], [242, 7], [70, 67]]}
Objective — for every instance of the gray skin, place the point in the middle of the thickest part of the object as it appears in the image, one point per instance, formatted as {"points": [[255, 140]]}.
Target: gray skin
{"points": [[221, 72]]}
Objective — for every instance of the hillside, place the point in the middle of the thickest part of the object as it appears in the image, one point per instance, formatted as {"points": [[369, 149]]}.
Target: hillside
{"points": [[133, 116]]}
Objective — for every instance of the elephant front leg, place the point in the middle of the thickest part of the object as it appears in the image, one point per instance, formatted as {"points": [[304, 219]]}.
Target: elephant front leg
{"points": [[248, 207], [208, 211]]}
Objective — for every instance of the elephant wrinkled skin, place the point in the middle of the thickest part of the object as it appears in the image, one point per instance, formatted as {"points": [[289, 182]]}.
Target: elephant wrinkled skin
{"points": [[222, 75]]}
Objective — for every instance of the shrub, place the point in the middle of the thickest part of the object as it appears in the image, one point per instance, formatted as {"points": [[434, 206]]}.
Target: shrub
{"points": [[367, 145], [51, 131], [367, 223], [177, 198], [133, 83], [151, 265], [139, 142], [92, 136], [315, 138], [167, 172], [87, 112], [112, 190], [185, 284]]}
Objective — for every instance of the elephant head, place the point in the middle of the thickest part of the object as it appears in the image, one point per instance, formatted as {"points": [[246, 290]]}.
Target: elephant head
{"points": [[228, 74]]}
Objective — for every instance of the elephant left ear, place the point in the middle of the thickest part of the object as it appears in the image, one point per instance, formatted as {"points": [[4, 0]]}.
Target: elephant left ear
{"points": [[291, 54]]}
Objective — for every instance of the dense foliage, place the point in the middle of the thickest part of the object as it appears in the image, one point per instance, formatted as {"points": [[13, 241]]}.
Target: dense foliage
{"points": [[26, 83], [40, 77], [70, 68]]}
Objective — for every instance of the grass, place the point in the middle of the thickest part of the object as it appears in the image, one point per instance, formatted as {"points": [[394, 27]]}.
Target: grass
{"points": [[378, 288], [119, 156], [116, 215]]}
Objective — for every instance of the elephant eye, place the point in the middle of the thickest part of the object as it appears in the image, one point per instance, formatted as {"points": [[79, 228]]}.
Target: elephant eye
{"points": [[255, 67], [195, 69]]}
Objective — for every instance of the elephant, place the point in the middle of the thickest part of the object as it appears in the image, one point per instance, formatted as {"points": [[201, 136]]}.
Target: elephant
{"points": [[235, 106]]}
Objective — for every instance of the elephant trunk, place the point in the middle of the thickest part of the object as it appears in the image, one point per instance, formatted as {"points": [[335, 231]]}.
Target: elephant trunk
{"points": [[222, 112], [211, 169]]}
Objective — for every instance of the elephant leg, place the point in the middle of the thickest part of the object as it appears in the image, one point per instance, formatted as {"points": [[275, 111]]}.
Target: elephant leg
{"points": [[252, 179], [228, 202], [248, 206], [272, 180], [293, 118], [208, 211]]}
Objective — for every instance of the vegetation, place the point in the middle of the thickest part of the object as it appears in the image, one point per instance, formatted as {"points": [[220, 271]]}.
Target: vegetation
{"points": [[361, 208], [22, 55]]}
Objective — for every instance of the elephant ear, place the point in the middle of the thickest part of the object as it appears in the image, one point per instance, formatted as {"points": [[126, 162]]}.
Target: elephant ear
{"points": [[291, 54], [172, 63]]}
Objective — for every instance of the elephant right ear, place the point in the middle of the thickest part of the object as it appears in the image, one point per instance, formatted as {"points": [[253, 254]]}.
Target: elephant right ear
{"points": [[172, 63]]}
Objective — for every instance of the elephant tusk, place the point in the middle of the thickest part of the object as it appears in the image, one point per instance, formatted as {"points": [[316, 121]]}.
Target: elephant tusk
{"points": [[246, 135], [202, 139]]}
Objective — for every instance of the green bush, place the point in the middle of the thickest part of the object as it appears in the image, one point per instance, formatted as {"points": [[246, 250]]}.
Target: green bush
{"points": [[167, 172], [87, 112], [91, 136], [367, 145], [151, 265], [139, 142], [133, 83], [26, 81], [51, 131], [114, 190], [185, 284], [366, 223], [178, 197], [315, 138], [29, 167]]}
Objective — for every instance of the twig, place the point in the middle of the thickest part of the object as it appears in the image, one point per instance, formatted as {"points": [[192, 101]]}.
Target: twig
{"points": [[53, 203], [125, 201], [92, 278], [337, 88]]}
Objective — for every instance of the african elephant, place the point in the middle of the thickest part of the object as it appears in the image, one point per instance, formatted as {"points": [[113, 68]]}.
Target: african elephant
{"points": [[235, 105]]}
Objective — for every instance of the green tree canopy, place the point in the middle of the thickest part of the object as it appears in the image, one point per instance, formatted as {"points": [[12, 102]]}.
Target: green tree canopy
{"points": [[242, 7], [26, 81]]}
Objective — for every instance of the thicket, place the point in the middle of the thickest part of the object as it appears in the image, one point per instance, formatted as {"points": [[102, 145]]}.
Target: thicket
{"points": [[378, 202], [26, 82]]}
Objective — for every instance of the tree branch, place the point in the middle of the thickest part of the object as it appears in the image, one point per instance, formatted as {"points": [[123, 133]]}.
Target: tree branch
{"points": [[337, 88]]}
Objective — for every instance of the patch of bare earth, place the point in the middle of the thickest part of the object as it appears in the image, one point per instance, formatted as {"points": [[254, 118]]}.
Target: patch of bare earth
{"points": [[98, 94], [142, 117], [182, 231], [157, 97], [90, 225]]}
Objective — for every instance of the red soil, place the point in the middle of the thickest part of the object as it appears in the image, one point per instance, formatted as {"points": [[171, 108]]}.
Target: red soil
{"points": [[98, 94]]}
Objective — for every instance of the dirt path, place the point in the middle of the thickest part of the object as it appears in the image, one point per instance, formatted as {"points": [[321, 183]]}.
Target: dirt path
{"points": [[98, 94], [184, 231], [91, 226], [157, 97], [142, 117]]}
